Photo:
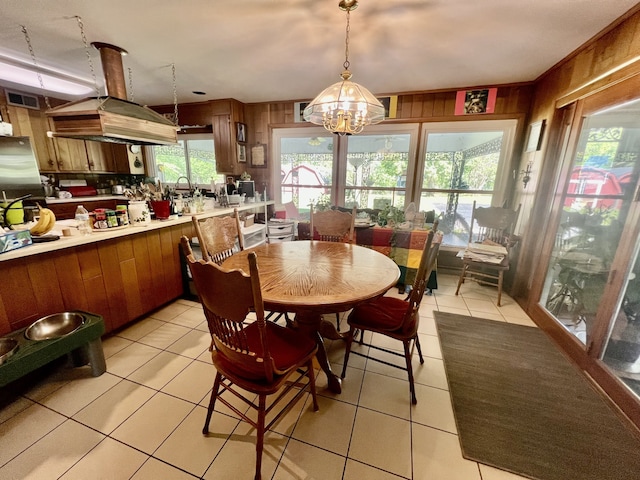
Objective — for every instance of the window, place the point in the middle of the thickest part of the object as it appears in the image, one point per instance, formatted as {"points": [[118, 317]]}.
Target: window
{"points": [[378, 165], [192, 157], [306, 166], [459, 162], [463, 162]]}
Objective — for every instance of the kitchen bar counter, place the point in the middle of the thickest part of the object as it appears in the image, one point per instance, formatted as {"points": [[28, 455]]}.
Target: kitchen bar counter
{"points": [[102, 235], [122, 275]]}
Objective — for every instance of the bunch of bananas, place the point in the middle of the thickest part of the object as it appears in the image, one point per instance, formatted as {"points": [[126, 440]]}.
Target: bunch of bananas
{"points": [[45, 223]]}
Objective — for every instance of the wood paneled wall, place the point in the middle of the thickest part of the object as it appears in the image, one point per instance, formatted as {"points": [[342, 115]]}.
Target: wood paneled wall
{"points": [[513, 101], [120, 279]]}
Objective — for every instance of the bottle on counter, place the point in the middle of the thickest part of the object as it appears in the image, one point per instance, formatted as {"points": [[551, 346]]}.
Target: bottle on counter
{"points": [[82, 221]]}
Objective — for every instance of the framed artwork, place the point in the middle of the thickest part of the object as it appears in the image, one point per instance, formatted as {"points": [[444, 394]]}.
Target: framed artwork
{"points": [[241, 132], [259, 155], [474, 102], [536, 132], [298, 110], [390, 106], [241, 152]]}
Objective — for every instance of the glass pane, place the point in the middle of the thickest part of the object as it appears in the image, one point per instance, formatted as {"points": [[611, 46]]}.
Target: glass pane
{"points": [[462, 160], [374, 198], [191, 158], [306, 165], [455, 162], [378, 164], [596, 203], [171, 162], [622, 353], [455, 211], [202, 161]]}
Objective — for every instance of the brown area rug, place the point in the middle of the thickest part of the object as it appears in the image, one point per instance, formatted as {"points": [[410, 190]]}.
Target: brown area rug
{"points": [[521, 406]]}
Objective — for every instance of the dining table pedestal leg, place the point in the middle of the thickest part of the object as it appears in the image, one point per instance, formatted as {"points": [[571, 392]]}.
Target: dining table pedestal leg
{"points": [[313, 324]]}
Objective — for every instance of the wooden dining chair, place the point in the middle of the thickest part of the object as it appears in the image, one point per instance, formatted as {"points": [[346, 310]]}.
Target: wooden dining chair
{"points": [[333, 226], [394, 317], [260, 357], [219, 237], [490, 238]]}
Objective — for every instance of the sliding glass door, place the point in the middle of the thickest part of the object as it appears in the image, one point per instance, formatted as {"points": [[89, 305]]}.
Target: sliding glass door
{"points": [[597, 201]]}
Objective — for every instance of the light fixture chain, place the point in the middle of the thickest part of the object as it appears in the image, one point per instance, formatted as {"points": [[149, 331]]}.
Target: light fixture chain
{"points": [[346, 42], [35, 64], [86, 49], [175, 95], [131, 96]]}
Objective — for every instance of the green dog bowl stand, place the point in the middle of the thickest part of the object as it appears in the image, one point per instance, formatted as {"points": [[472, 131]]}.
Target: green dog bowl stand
{"points": [[84, 345]]}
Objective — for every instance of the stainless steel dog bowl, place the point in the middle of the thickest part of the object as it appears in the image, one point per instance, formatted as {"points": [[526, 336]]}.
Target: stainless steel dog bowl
{"points": [[54, 326], [8, 347]]}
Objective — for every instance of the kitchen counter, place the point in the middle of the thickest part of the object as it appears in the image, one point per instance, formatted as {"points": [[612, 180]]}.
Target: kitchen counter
{"points": [[102, 235], [120, 274], [92, 198]]}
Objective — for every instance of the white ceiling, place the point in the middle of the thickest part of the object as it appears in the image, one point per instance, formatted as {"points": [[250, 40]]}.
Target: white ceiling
{"points": [[269, 50]]}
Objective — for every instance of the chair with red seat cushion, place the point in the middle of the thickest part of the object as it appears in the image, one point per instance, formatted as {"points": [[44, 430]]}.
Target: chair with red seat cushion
{"points": [[259, 357], [394, 317]]}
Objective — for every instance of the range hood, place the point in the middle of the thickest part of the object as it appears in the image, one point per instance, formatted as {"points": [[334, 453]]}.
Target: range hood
{"points": [[112, 119]]}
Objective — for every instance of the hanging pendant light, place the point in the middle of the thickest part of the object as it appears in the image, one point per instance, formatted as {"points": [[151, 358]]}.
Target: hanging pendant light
{"points": [[345, 108]]}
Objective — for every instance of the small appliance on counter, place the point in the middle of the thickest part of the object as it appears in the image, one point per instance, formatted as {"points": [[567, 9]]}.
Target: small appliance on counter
{"points": [[247, 187], [78, 188]]}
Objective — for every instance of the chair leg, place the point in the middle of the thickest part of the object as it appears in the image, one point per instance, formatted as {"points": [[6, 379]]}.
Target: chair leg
{"points": [[347, 351], [417, 343], [262, 413], [500, 278], [338, 321], [212, 402], [461, 279], [312, 384], [407, 357]]}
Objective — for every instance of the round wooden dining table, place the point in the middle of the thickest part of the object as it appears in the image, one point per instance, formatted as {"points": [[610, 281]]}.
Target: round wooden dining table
{"points": [[312, 278]]}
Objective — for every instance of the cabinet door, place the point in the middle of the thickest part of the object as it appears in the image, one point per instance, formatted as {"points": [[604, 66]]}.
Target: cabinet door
{"points": [[100, 156], [71, 154], [224, 146], [33, 124]]}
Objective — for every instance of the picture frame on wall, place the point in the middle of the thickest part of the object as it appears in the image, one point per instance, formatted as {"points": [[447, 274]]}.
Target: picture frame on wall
{"points": [[298, 111], [242, 153], [259, 155], [536, 132], [241, 132], [390, 105], [476, 102]]}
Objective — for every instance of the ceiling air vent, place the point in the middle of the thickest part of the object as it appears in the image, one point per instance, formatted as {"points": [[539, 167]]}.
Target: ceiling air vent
{"points": [[23, 100]]}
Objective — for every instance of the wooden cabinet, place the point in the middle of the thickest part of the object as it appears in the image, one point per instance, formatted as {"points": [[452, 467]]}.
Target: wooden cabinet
{"points": [[71, 155], [219, 116], [225, 116], [33, 124]]}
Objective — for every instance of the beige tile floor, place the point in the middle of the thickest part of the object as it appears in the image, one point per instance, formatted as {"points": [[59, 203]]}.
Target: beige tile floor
{"points": [[143, 418]]}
